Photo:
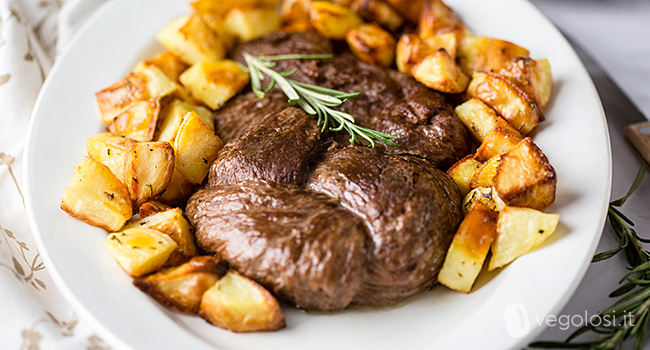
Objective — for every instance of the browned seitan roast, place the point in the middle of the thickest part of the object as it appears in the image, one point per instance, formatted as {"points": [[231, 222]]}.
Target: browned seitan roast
{"points": [[321, 223]]}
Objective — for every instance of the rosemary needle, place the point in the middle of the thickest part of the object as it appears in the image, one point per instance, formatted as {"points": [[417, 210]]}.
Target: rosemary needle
{"points": [[314, 100]]}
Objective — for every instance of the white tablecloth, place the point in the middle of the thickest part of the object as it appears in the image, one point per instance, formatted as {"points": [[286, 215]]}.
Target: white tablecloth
{"points": [[34, 316]]}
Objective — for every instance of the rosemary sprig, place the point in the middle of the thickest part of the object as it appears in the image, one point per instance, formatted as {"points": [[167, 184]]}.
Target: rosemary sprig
{"points": [[314, 100], [635, 304]]}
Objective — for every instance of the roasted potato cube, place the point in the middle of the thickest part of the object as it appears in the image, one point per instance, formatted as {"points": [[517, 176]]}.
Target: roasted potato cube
{"points": [[183, 286], [140, 251], [485, 195], [372, 44], [96, 196], [484, 175], [532, 77], [462, 173], [178, 190], [446, 41], [119, 96], [519, 109], [196, 148], [252, 23], [378, 11], [519, 230], [410, 51], [217, 25], [172, 223], [158, 84], [222, 7], [214, 83], [138, 122], [499, 140], [191, 40], [437, 16], [525, 178], [148, 169], [409, 9], [297, 26], [469, 248], [477, 53], [239, 304], [440, 72], [477, 117], [295, 10], [152, 207], [171, 117], [167, 62], [332, 20], [109, 150], [145, 82]]}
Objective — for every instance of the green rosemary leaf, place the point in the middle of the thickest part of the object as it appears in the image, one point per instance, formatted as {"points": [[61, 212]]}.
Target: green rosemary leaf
{"points": [[314, 100], [606, 255], [615, 212], [635, 185]]}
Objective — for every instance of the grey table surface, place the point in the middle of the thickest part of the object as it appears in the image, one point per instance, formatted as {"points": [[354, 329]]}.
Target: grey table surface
{"points": [[615, 33]]}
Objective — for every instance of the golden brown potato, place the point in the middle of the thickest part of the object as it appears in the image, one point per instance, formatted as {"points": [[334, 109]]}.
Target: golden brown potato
{"points": [[409, 9], [297, 26], [172, 223], [214, 83], [239, 304], [332, 20], [119, 96], [152, 207], [171, 117], [519, 230], [178, 190], [222, 7], [138, 122], [372, 44], [437, 16], [484, 175], [168, 63], [139, 251], [295, 10], [462, 173], [378, 11], [520, 110], [191, 40], [532, 77], [500, 139], [148, 169], [469, 248], [445, 41], [96, 196], [109, 150], [196, 148], [525, 178], [440, 72], [252, 23], [485, 195], [478, 117], [477, 53], [183, 286], [146, 82], [410, 51]]}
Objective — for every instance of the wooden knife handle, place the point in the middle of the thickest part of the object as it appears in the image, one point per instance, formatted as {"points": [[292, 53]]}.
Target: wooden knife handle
{"points": [[639, 136]]}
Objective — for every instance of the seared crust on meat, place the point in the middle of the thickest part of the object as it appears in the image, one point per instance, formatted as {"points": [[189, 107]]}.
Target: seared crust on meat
{"points": [[389, 102], [411, 208], [300, 244]]}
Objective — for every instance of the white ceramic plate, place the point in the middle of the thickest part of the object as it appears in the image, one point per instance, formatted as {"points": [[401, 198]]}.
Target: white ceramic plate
{"points": [[501, 312]]}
